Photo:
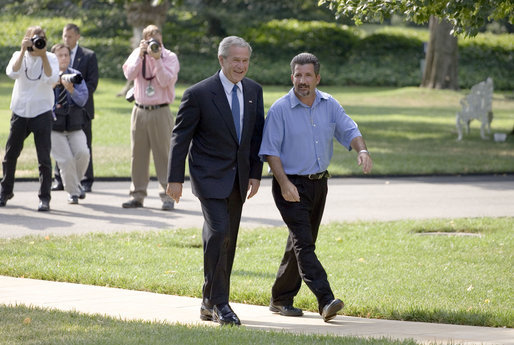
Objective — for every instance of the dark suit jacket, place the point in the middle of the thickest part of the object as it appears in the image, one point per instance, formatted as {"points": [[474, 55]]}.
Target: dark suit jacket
{"points": [[205, 129], [85, 62]]}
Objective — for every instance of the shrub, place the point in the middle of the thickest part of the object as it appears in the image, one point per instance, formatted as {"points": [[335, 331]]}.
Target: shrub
{"points": [[389, 57]]}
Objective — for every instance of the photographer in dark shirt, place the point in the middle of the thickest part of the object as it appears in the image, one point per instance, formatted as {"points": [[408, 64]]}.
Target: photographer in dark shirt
{"points": [[69, 144]]}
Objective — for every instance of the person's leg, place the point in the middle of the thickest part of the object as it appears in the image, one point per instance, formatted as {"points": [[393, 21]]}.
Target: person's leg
{"points": [[214, 235], [57, 178], [298, 217], [80, 151], [17, 135], [160, 126], [41, 127], [140, 146], [87, 181], [63, 155]]}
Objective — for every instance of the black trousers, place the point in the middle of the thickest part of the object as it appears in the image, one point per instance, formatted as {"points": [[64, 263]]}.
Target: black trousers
{"points": [[219, 235], [300, 261], [88, 176], [21, 127]]}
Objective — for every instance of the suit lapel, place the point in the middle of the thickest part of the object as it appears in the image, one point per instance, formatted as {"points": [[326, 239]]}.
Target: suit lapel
{"points": [[248, 100], [78, 57], [220, 101]]}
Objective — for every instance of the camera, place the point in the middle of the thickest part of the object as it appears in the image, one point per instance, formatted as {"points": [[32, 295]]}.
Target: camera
{"points": [[38, 42], [74, 78], [154, 45]]}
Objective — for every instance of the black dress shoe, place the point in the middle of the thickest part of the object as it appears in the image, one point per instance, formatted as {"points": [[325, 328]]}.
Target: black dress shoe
{"points": [[57, 186], [330, 310], [133, 203], [285, 310], [205, 313], [4, 198], [224, 315], [44, 206]]}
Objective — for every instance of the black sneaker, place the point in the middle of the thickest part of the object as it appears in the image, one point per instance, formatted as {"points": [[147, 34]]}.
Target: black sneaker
{"points": [[73, 200]]}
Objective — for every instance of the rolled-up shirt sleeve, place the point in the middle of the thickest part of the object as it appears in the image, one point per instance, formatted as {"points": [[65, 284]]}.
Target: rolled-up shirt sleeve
{"points": [[80, 94], [273, 135], [132, 67]]}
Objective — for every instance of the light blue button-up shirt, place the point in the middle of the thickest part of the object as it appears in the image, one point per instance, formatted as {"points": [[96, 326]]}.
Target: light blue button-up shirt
{"points": [[302, 136]]}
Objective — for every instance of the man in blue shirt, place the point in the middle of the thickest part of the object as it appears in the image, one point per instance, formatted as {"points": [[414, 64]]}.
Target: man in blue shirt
{"points": [[298, 145], [69, 143]]}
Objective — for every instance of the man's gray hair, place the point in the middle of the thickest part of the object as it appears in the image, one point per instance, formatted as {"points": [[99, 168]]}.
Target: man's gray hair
{"points": [[230, 41], [306, 59]]}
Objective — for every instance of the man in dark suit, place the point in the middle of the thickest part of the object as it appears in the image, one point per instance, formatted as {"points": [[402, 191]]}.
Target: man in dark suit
{"points": [[219, 124], [84, 60]]}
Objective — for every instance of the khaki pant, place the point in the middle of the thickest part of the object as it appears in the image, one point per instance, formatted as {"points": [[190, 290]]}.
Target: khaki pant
{"points": [[150, 131], [71, 153]]}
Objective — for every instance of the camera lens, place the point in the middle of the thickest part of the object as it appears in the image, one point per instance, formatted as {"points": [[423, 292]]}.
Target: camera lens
{"points": [[74, 78], [38, 42], [154, 45]]}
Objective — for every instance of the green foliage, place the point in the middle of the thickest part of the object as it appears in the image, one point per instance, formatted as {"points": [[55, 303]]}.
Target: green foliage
{"points": [[467, 16], [288, 37], [485, 56], [349, 56]]}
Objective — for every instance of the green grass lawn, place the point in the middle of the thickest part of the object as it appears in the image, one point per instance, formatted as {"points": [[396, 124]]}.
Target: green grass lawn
{"points": [[22, 325], [394, 270], [408, 131]]}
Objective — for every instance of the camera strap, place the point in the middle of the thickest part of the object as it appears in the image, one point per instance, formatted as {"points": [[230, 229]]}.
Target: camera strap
{"points": [[26, 70], [144, 69]]}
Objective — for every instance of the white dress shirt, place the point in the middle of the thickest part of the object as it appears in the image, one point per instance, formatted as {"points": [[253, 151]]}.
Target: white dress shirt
{"points": [[228, 86], [72, 54], [33, 90]]}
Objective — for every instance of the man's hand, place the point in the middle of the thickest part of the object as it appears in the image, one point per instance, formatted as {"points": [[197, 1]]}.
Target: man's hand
{"points": [[174, 190], [253, 187], [25, 43], [364, 160], [68, 85], [143, 47], [289, 192]]}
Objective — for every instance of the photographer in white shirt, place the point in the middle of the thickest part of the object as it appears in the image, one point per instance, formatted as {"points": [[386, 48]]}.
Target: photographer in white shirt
{"points": [[35, 71]]}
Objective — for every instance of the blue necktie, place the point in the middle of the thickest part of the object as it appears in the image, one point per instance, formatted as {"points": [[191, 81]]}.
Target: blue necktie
{"points": [[235, 112]]}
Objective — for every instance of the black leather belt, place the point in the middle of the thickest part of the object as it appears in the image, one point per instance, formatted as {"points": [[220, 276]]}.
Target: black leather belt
{"points": [[317, 176], [151, 107]]}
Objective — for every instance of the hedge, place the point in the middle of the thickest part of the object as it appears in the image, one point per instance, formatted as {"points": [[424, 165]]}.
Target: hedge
{"points": [[387, 57]]}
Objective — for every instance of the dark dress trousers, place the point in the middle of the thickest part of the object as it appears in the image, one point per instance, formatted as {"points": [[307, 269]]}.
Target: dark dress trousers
{"points": [[220, 168]]}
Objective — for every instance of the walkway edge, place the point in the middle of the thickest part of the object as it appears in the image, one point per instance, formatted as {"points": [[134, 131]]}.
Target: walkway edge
{"points": [[140, 305]]}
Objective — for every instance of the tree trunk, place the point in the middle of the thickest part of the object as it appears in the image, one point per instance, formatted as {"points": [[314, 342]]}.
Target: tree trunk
{"points": [[441, 61], [141, 14]]}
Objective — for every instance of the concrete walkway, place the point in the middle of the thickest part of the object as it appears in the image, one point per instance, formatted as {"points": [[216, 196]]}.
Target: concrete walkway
{"points": [[349, 199], [138, 305]]}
